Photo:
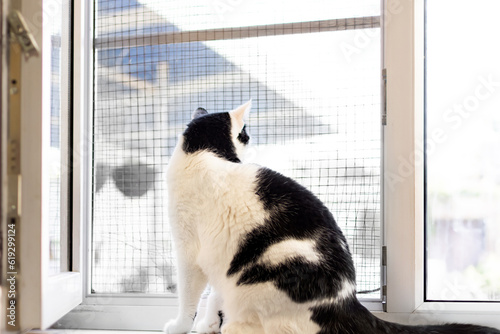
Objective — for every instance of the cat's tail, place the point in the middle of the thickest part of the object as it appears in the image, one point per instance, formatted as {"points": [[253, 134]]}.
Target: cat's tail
{"points": [[353, 318]]}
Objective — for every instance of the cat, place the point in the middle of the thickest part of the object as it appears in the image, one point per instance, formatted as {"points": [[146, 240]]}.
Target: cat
{"points": [[270, 249]]}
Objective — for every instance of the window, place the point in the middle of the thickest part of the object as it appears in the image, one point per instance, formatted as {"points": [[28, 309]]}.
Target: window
{"points": [[313, 75], [314, 80], [404, 163], [463, 159]]}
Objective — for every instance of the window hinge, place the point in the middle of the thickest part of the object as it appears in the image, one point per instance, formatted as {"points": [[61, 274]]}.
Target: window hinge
{"points": [[19, 32], [384, 278], [384, 96]]}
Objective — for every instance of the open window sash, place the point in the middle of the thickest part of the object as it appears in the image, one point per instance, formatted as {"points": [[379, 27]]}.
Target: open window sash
{"points": [[46, 286]]}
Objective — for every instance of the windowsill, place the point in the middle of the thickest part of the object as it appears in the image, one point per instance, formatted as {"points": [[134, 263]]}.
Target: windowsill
{"points": [[416, 318], [87, 331]]}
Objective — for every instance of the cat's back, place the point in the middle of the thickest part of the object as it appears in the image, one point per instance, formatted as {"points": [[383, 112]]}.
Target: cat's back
{"points": [[290, 201], [298, 247]]}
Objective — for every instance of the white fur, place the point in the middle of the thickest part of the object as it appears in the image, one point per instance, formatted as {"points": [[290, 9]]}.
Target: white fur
{"points": [[288, 249], [348, 290], [238, 117], [212, 206]]}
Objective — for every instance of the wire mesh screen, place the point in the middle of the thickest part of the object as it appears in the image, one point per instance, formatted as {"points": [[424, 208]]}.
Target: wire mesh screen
{"points": [[315, 117]]}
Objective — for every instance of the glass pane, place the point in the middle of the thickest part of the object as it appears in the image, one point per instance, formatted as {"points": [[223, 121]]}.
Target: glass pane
{"points": [[57, 144], [315, 117], [463, 151]]}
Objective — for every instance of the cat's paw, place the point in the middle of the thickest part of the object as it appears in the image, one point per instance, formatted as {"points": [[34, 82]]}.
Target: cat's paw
{"points": [[178, 326], [208, 326]]}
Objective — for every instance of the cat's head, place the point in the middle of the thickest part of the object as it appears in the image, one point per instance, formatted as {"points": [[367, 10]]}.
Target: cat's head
{"points": [[220, 133]]}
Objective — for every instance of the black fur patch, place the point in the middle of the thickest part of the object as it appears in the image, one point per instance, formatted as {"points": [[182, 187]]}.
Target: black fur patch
{"points": [[243, 136], [294, 213], [301, 280], [347, 318], [211, 132]]}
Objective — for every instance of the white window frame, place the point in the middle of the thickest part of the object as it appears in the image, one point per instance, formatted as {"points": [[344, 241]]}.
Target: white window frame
{"points": [[404, 178]]}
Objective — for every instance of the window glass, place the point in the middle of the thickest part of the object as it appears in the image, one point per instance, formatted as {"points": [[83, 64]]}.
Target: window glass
{"points": [[57, 163], [463, 151]]}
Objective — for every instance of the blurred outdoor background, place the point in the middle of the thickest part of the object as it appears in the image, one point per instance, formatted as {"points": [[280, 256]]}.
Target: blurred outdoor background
{"points": [[463, 138]]}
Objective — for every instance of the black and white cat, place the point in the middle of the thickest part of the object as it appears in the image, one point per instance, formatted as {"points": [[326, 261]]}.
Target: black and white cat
{"points": [[270, 249]]}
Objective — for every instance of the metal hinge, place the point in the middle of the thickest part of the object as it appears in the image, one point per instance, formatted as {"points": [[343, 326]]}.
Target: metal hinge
{"points": [[20, 33], [384, 96], [384, 278]]}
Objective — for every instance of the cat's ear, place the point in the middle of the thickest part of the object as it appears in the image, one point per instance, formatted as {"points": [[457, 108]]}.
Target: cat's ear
{"points": [[240, 114], [198, 113]]}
